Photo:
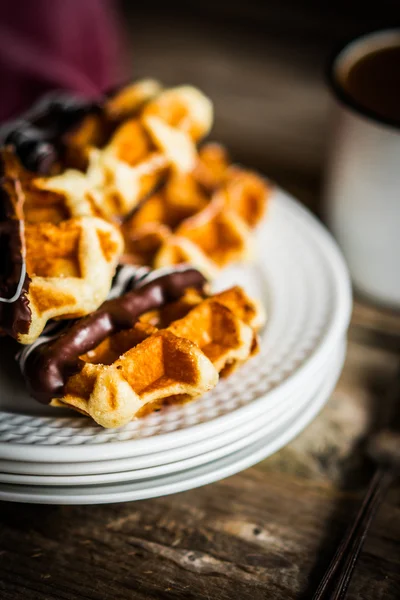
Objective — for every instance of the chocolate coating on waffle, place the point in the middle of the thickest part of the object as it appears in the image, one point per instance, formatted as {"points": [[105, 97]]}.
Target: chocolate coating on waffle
{"points": [[50, 364], [36, 136], [15, 316]]}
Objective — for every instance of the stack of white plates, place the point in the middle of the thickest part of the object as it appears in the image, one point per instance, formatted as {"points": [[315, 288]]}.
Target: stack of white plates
{"points": [[50, 456]]}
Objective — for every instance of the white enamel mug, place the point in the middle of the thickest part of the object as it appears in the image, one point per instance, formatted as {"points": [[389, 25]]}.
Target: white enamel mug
{"points": [[363, 181]]}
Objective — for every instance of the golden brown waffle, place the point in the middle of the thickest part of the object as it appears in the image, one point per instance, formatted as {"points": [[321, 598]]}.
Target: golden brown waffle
{"points": [[134, 160], [125, 150], [216, 330], [150, 228], [129, 167], [143, 368], [70, 265], [248, 310], [219, 232], [211, 239], [161, 366], [70, 258], [209, 212], [182, 195]]}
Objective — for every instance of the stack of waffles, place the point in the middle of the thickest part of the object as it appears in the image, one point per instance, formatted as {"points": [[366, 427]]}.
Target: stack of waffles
{"points": [[130, 185]]}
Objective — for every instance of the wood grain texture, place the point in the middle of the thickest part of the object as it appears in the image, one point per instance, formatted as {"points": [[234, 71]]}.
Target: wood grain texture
{"points": [[268, 532], [247, 535]]}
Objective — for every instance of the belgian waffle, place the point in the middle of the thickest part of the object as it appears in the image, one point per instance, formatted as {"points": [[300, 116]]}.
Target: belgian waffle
{"points": [[69, 260], [204, 217], [125, 151], [71, 266], [140, 369]]}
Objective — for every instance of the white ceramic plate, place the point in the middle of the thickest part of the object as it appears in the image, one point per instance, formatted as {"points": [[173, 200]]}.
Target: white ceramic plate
{"points": [[184, 480], [227, 443], [300, 276]]}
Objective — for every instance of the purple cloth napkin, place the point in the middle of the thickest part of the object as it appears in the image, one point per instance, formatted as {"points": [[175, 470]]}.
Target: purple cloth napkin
{"points": [[73, 45]]}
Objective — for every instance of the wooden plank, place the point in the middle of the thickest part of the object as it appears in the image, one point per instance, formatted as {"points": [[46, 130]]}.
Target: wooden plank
{"points": [[243, 537]]}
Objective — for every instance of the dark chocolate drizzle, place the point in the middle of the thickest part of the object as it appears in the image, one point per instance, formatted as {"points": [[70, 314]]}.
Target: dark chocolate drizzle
{"points": [[50, 364]]}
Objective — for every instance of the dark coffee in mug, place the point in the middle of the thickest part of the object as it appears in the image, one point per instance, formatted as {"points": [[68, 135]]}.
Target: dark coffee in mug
{"points": [[373, 82]]}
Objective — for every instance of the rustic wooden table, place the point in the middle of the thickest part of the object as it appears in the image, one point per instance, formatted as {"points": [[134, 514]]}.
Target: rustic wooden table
{"points": [[270, 531]]}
